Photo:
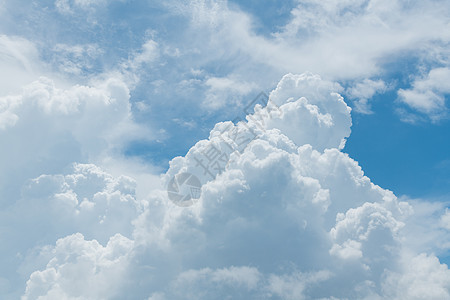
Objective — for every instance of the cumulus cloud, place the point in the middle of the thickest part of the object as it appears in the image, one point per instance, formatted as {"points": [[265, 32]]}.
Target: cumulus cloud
{"points": [[81, 269], [282, 212], [58, 126], [298, 102], [45, 127], [86, 200], [422, 277], [288, 217]]}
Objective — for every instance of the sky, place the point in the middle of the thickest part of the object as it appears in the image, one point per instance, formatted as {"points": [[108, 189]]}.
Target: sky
{"points": [[311, 139]]}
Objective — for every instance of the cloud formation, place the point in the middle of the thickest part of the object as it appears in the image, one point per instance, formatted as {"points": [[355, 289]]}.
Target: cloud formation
{"points": [[428, 95], [284, 213], [289, 217]]}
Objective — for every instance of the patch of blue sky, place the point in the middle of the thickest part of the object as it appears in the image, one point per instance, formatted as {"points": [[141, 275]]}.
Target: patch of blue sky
{"points": [[409, 159]]}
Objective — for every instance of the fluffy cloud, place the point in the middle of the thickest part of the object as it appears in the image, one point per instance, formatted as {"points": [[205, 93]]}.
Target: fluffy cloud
{"points": [[305, 218], [44, 129], [422, 277], [81, 269], [87, 200], [47, 128], [349, 41], [286, 218], [305, 108], [311, 103], [283, 212], [353, 37], [428, 94]]}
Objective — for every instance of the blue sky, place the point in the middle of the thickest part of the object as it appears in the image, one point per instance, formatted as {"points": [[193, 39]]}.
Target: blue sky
{"points": [[97, 98]]}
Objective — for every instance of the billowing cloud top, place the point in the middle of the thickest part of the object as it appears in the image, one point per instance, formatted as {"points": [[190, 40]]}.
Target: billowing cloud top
{"points": [[282, 213], [303, 109]]}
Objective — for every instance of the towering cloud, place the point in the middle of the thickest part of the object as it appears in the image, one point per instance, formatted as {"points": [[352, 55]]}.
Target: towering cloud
{"points": [[282, 213]]}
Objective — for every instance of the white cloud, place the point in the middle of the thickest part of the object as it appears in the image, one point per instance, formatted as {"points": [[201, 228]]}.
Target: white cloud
{"points": [[224, 91], [344, 40], [275, 187], [45, 128], [427, 231], [148, 53], [304, 108], [291, 216], [422, 277], [59, 126], [312, 103], [87, 200], [350, 37], [363, 92], [283, 220], [357, 235], [428, 94], [81, 269], [445, 220], [20, 63]]}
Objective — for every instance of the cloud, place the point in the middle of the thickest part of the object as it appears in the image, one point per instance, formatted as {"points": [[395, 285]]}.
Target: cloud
{"points": [[428, 94], [81, 269], [224, 90], [307, 99], [48, 128], [288, 215], [20, 63], [346, 41], [45, 128], [363, 92], [331, 216], [267, 191], [148, 53], [423, 277], [89, 200], [68, 6], [86, 200], [76, 59], [445, 220], [358, 34], [283, 219], [59, 126]]}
